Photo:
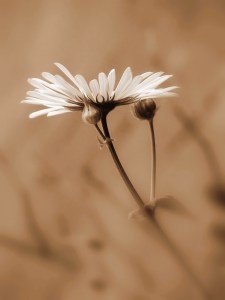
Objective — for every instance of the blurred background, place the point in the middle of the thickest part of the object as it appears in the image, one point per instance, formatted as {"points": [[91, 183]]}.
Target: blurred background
{"points": [[64, 227]]}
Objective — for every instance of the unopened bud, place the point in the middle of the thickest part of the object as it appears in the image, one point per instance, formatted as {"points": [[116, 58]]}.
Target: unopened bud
{"points": [[91, 114], [144, 109]]}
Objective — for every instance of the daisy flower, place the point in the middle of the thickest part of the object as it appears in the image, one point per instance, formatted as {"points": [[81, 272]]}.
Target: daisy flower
{"points": [[61, 95]]}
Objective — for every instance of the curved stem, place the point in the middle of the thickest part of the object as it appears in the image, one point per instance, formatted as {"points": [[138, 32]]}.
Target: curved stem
{"points": [[148, 211], [118, 164], [153, 163]]}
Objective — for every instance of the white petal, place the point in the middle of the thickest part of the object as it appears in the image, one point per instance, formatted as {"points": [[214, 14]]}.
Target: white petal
{"points": [[157, 93], [103, 84], [42, 84], [41, 112], [148, 80], [132, 86], [36, 82], [48, 76], [124, 82], [60, 90], [167, 94], [67, 86], [42, 96], [145, 75], [156, 82], [42, 102], [94, 86], [70, 76], [66, 72], [83, 86], [58, 84], [53, 94], [167, 89], [111, 81], [58, 112], [59, 94]]}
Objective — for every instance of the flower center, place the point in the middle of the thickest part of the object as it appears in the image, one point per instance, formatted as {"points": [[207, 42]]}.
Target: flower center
{"points": [[105, 107]]}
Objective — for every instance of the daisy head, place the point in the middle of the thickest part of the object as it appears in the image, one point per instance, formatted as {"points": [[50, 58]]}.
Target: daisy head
{"points": [[73, 93]]}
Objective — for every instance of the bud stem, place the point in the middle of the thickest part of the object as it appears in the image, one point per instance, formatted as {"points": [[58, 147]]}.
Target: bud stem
{"points": [[153, 163]]}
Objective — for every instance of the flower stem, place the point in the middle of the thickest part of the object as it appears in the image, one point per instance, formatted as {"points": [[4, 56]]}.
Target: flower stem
{"points": [[153, 163], [118, 164], [148, 210]]}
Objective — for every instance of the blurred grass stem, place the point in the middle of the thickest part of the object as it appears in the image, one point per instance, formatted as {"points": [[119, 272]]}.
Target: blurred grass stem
{"points": [[181, 259], [203, 142]]}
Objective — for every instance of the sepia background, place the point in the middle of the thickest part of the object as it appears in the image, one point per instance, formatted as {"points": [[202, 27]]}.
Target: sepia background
{"points": [[64, 227]]}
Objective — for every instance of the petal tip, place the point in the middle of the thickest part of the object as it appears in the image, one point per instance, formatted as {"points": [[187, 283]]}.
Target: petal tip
{"points": [[31, 116]]}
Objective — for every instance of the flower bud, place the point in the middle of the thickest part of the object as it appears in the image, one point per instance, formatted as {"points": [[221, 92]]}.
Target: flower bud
{"points": [[144, 109], [91, 114]]}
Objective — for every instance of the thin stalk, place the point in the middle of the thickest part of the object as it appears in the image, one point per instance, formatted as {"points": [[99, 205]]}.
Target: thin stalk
{"points": [[148, 212], [153, 163]]}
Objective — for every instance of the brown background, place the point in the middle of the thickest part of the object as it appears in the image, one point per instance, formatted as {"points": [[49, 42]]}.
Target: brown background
{"points": [[64, 228]]}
